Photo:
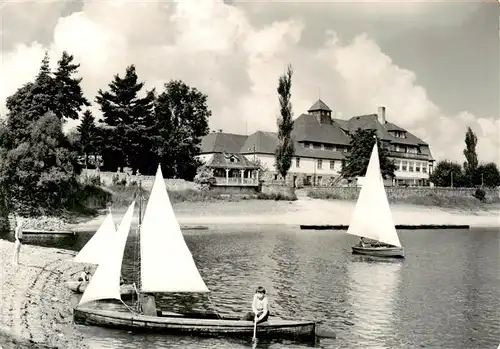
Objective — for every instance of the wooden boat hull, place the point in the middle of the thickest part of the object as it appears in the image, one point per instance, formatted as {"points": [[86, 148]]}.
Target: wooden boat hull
{"points": [[395, 252], [170, 323], [127, 291]]}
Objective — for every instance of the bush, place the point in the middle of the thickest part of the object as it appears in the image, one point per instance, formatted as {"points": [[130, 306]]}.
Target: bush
{"points": [[276, 197], [204, 178], [480, 194], [323, 194]]}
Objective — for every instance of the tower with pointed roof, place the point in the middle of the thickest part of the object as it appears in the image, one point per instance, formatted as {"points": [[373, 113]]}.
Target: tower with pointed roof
{"points": [[322, 112]]}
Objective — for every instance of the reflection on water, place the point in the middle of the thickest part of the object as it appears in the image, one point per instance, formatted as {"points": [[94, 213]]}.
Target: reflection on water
{"points": [[373, 293], [445, 294]]}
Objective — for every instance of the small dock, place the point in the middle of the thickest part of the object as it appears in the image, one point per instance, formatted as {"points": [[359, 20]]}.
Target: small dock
{"points": [[48, 232], [398, 226], [194, 227]]}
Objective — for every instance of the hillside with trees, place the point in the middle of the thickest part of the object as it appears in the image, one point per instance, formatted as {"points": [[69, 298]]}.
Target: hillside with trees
{"points": [[40, 165]]}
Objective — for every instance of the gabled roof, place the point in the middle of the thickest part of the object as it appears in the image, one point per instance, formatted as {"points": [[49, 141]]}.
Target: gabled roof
{"points": [[264, 143], [223, 160], [371, 122], [307, 128], [319, 105], [216, 142]]}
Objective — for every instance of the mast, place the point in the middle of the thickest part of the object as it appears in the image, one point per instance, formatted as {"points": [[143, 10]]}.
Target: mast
{"points": [[140, 203]]}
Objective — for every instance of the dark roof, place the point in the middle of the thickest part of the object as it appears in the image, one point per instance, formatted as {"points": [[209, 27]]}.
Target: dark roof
{"points": [[389, 126], [307, 128], [216, 142], [370, 121], [264, 143], [319, 105], [223, 160]]}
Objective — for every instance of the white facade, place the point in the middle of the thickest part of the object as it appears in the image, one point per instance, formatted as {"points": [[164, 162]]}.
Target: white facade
{"points": [[412, 169], [302, 165]]}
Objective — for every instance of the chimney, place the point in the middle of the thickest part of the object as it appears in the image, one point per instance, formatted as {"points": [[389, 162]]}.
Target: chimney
{"points": [[381, 115]]}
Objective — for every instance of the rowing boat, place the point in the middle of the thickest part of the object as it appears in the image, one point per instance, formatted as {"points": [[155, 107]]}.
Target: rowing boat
{"points": [[162, 244], [199, 324]]}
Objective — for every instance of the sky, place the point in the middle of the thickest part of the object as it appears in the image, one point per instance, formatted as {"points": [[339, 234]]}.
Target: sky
{"points": [[434, 65]]}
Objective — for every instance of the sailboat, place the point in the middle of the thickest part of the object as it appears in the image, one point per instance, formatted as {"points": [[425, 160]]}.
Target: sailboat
{"points": [[94, 251], [372, 217], [166, 265]]}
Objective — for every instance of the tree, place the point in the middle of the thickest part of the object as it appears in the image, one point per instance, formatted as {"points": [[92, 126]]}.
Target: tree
{"points": [[59, 93], [130, 118], [69, 98], [447, 174], [357, 160], [471, 163], [30, 102], [88, 131], [489, 175], [285, 148], [182, 117], [39, 174]]}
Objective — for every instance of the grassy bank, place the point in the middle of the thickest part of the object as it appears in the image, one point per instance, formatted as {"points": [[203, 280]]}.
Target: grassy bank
{"points": [[122, 196], [431, 200]]}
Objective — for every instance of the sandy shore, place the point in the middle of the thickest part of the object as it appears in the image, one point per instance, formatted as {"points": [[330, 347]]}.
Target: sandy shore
{"points": [[35, 306], [303, 211]]}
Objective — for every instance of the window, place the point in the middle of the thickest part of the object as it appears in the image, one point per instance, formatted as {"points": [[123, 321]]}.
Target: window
{"points": [[328, 147], [297, 162], [424, 167], [332, 164], [306, 145], [320, 179], [404, 166], [316, 146], [397, 163], [410, 166], [320, 164], [417, 167]]}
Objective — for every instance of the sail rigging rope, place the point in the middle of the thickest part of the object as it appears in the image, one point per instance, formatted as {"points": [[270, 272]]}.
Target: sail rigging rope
{"points": [[213, 306]]}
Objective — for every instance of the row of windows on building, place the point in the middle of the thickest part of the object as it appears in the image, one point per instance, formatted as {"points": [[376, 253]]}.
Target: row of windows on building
{"points": [[401, 165], [393, 147]]}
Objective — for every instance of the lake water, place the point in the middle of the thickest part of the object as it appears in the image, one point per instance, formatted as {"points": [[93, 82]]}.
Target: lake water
{"points": [[445, 294]]}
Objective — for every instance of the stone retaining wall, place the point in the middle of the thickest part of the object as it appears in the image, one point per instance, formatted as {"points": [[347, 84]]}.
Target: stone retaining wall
{"points": [[352, 193], [277, 188], [146, 181]]}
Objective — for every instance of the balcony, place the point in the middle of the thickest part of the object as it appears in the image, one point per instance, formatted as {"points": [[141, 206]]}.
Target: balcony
{"points": [[236, 181], [403, 155]]}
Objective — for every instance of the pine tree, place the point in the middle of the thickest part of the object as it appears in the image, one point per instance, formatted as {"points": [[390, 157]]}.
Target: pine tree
{"points": [[69, 96], [130, 118], [87, 130]]}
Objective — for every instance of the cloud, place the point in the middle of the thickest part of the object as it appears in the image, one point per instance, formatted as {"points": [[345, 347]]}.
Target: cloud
{"points": [[215, 47]]}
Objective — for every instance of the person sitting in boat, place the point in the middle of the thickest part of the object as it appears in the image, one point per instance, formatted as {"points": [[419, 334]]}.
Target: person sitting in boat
{"points": [[84, 275], [364, 243], [260, 307]]}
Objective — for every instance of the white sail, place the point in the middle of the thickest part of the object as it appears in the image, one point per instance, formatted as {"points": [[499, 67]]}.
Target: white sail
{"points": [[105, 283], [96, 248], [372, 216], [166, 262]]}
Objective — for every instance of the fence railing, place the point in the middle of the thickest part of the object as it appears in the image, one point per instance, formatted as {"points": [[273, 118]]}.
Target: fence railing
{"points": [[236, 180]]}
